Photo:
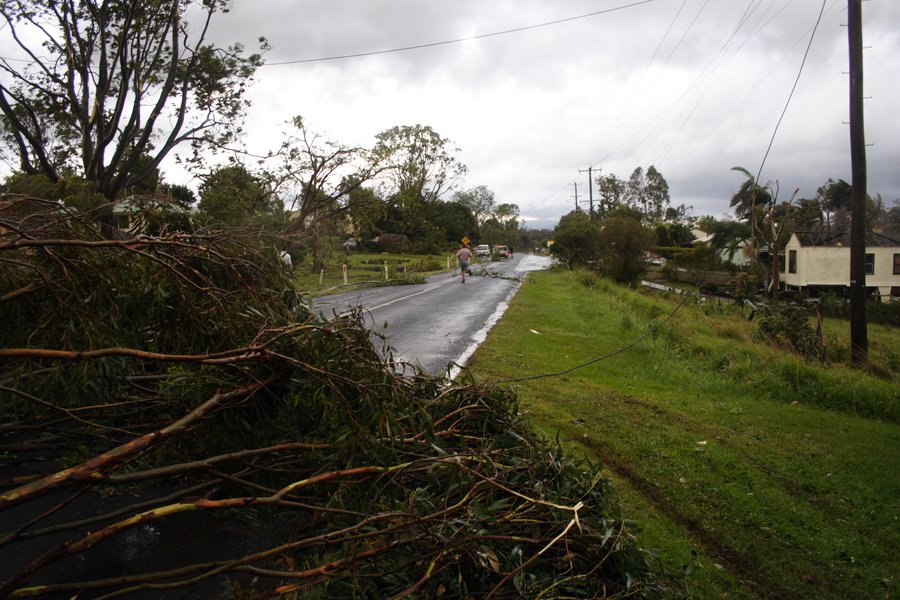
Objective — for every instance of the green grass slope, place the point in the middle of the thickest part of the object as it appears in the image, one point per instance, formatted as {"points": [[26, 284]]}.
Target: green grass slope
{"points": [[751, 471]]}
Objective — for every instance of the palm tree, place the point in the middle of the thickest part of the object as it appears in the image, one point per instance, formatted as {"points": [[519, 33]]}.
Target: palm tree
{"points": [[750, 198], [757, 203]]}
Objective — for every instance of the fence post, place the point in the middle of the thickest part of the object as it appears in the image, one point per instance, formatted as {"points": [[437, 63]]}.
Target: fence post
{"points": [[385, 270], [321, 276], [344, 269]]}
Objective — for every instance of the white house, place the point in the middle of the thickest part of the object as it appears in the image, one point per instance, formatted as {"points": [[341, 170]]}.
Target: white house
{"points": [[822, 260], [736, 254]]}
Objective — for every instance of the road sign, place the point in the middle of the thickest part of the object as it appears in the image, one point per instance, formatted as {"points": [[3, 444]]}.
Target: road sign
{"points": [[465, 240]]}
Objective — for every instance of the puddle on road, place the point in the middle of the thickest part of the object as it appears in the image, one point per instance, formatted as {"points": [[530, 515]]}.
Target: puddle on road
{"points": [[532, 262]]}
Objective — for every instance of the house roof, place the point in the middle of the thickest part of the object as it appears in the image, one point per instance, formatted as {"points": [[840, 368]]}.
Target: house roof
{"points": [[134, 203], [842, 238], [701, 237]]}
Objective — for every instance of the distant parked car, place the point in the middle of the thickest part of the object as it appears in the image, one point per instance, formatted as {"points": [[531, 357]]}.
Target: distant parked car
{"points": [[482, 250], [502, 252]]}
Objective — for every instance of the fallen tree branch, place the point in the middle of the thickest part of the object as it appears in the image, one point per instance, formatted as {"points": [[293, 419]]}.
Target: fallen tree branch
{"points": [[96, 468]]}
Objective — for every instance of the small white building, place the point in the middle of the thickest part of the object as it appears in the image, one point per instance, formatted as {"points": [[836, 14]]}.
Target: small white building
{"points": [[822, 260], [737, 254]]}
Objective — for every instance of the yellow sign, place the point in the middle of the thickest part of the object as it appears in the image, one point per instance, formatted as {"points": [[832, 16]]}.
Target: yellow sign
{"points": [[465, 240]]}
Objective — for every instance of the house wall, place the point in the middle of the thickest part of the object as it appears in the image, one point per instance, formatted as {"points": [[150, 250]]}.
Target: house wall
{"points": [[738, 259], [818, 265]]}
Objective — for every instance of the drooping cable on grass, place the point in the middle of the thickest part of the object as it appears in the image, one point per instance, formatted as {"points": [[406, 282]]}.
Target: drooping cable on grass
{"points": [[614, 352]]}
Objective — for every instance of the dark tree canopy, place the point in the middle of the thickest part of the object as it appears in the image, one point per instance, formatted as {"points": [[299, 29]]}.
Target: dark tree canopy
{"points": [[233, 196], [834, 200], [576, 239], [455, 220], [623, 244], [108, 88], [647, 192], [182, 194], [612, 192]]}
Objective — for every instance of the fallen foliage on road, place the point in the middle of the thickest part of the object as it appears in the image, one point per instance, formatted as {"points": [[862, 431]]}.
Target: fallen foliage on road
{"points": [[156, 390]]}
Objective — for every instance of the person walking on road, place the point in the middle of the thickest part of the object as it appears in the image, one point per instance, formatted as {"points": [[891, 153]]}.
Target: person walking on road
{"points": [[464, 254]]}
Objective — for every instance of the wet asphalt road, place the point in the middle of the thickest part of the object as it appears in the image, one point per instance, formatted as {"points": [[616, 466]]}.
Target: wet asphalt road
{"points": [[438, 324]]}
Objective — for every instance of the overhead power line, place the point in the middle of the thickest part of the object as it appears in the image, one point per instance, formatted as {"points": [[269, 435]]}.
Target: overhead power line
{"points": [[459, 40], [793, 89], [435, 44]]}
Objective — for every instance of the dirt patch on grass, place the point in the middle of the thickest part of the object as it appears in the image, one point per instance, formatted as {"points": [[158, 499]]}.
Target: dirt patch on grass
{"points": [[731, 559], [786, 483]]}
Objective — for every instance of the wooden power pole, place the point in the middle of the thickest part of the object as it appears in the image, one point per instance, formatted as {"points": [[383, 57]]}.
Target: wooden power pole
{"points": [[589, 171], [859, 341]]}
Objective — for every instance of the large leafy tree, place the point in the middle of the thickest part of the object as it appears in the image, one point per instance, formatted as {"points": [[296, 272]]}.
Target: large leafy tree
{"points": [[182, 194], [508, 216], [623, 244], [829, 211], [890, 222], [835, 201], [319, 176], [420, 167], [648, 192], [673, 234], [729, 236], [108, 88], [74, 192], [367, 210], [808, 215], [455, 220], [576, 239], [233, 196], [612, 192], [420, 163], [657, 195], [479, 200], [636, 190]]}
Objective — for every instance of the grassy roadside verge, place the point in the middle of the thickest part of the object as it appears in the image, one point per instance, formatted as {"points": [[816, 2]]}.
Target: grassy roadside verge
{"points": [[368, 268], [750, 472]]}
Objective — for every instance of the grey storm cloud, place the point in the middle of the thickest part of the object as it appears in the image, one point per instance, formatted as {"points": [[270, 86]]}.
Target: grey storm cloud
{"points": [[693, 87]]}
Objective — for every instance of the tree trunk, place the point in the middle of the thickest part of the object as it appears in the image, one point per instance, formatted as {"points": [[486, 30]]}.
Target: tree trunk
{"points": [[774, 252]]}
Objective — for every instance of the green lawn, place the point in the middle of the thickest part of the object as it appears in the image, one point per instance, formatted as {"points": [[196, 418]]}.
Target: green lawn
{"points": [[368, 269], [748, 471]]}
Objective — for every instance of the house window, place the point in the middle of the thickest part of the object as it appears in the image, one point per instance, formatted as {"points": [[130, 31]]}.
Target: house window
{"points": [[792, 261], [870, 264], [897, 264]]}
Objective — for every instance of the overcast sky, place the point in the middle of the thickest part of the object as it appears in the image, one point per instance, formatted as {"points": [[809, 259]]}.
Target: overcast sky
{"points": [[693, 87]]}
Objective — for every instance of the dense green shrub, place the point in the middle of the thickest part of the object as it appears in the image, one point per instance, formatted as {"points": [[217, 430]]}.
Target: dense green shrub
{"points": [[787, 324], [576, 240], [424, 265], [885, 313], [624, 243]]}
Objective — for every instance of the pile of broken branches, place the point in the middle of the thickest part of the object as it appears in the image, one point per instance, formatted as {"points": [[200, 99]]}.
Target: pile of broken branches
{"points": [[167, 392]]}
